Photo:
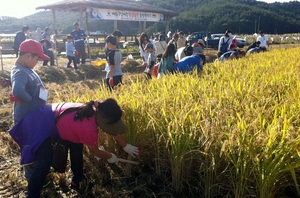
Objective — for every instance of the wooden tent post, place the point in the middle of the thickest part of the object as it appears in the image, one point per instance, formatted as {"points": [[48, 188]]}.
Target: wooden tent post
{"points": [[144, 25], [115, 25], [168, 19], [55, 33], [88, 34], [2, 69]]}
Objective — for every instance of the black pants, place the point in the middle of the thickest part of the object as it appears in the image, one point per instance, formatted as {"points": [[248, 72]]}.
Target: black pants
{"points": [[81, 54], [16, 52], [117, 81], [76, 158], [41, 168], [72, 58], [51, 55]]}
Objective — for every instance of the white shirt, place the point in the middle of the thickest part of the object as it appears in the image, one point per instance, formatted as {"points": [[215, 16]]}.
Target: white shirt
{"points": [[180, 54], [263, 41], [143, 53], [160, 46]]}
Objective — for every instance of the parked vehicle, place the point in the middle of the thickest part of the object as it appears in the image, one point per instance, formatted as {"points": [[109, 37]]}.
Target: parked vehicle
{"points": [[207, 38], [216, 36], [212, 40]]}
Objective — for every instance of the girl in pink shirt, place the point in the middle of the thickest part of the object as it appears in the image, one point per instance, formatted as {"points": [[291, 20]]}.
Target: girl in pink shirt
{"points": [[76, 124]]}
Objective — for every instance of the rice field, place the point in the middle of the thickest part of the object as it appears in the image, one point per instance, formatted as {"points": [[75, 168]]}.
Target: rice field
{"points": [[231, 131]]}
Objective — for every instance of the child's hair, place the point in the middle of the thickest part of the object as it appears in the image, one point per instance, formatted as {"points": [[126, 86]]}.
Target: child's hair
{"points": [[175, 36], [149, 46], [43, 41], [170, 51], [111, 39], [69, 36], [161, 37], [143, 37], [188, 50], [242, 53], [84, 111], [25, 28], [117, 33], [108, 108]]}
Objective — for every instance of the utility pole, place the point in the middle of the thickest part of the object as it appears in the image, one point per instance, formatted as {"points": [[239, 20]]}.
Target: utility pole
{"points": [[258, 28]]}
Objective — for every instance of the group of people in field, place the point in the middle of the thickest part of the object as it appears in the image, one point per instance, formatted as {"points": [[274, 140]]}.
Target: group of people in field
{"points": [[39, 126], [75, 44], [176, 53], [170, 55], [228, 48]]}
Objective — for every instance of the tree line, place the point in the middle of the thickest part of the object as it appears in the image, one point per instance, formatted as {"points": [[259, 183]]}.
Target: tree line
{"points": [[215, 16]]}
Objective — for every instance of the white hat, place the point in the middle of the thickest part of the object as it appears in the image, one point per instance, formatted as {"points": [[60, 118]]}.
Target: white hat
{"points": [[200, 41]]}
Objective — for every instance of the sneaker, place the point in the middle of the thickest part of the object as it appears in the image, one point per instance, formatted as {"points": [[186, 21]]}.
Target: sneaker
{"points": [[77, 70], [147, 70]]}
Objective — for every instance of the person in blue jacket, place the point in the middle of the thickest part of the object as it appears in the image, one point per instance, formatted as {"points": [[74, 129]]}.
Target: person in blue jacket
{"points": [[234, 54], [19, 38], [79, 41], [189, 63]]}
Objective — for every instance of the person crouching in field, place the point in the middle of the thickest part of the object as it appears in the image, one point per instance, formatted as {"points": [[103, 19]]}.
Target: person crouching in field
{"points": [[76, 124], [189, 63], [236, 54], [114, 72], [198, 49], [255, 44]]}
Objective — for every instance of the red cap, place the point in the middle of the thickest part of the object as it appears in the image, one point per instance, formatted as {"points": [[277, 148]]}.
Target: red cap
{"points": [[33, 46]]}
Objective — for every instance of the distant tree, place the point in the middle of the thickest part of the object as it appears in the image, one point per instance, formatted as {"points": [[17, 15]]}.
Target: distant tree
{"points": [[242, 16]]}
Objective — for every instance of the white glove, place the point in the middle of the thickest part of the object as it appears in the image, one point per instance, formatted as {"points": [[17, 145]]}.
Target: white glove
{"points": [[131, 150], [97, 158], [113, 159]]}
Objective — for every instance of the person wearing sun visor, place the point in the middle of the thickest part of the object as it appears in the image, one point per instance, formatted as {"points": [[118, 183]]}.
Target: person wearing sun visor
{"points": [[76, 124]]}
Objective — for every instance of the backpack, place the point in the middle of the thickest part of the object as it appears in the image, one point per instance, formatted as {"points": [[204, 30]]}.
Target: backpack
{"points": [[224, 46]]}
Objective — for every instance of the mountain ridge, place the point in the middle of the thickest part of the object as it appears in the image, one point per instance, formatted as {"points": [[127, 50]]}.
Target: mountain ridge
{"points": [[241, 16]]}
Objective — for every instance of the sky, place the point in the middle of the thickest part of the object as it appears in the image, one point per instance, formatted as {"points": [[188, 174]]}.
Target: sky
{"points": [[21, 8]]}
